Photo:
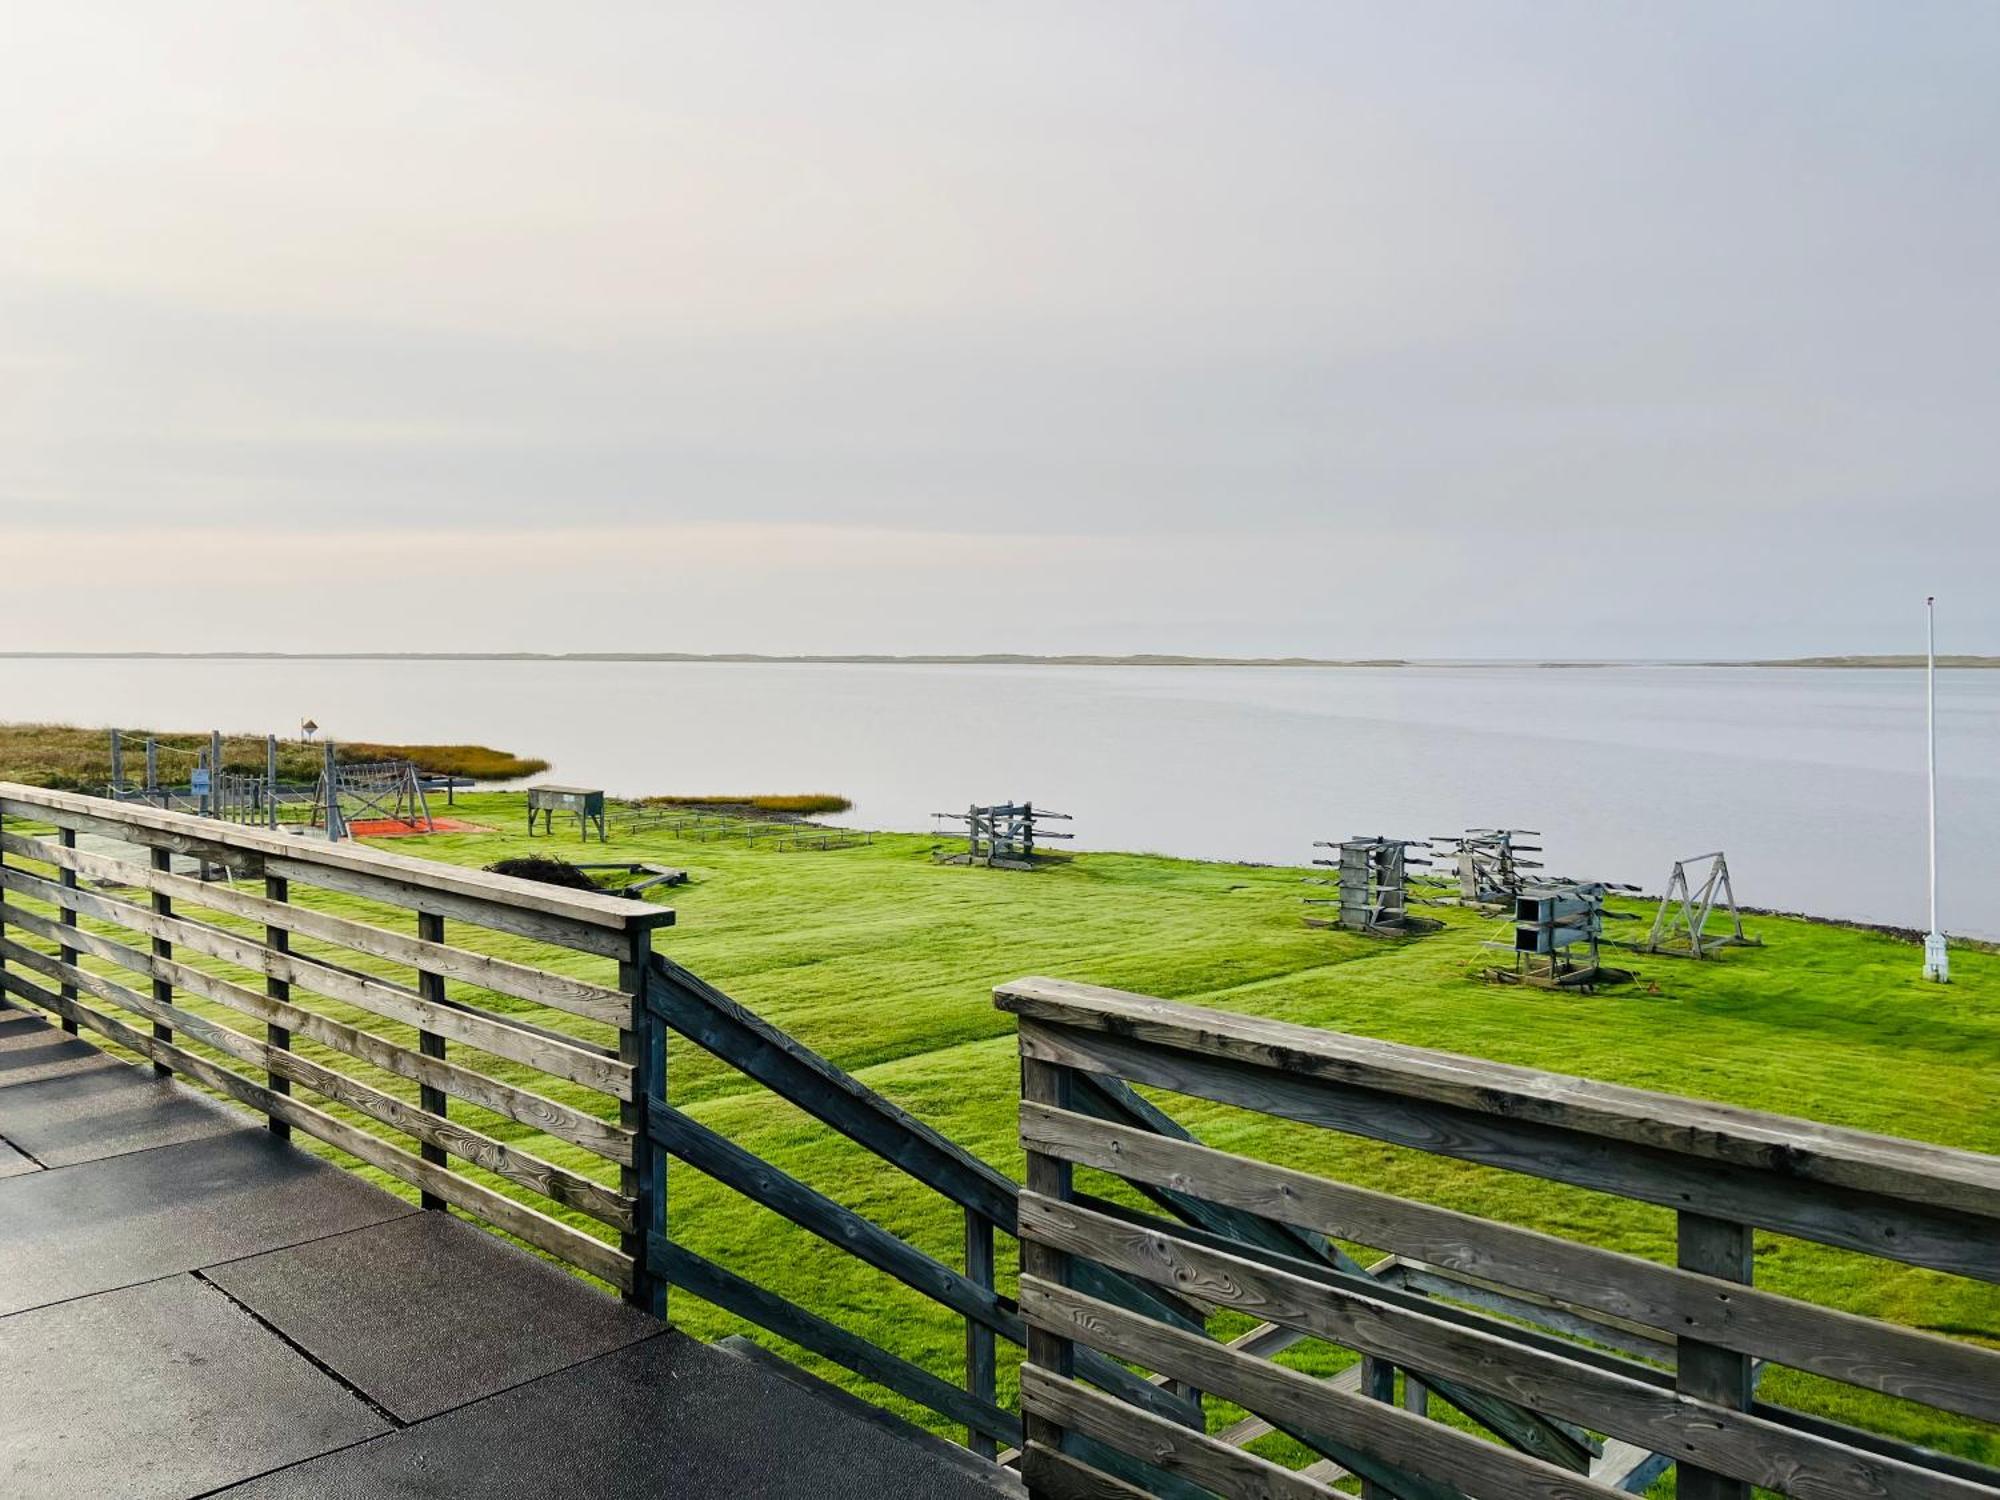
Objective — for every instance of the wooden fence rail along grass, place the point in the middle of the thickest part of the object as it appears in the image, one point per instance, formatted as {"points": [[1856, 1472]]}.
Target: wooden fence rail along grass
{"points": [[428, 1030], [1628, 1365]]}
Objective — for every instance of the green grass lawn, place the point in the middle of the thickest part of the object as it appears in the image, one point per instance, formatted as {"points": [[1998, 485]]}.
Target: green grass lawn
{"points": [[884, 961]]}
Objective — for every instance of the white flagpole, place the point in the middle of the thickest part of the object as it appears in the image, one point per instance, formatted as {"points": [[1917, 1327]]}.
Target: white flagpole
{"points": [[1937, 963]]}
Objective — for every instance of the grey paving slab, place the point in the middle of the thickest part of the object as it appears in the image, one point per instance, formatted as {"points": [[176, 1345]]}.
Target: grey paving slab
{"points": [[426, 1313], [13, 1163], [158, 1392], [86, 1114], [31, 1049], [667, 1417], [88, 1228]]}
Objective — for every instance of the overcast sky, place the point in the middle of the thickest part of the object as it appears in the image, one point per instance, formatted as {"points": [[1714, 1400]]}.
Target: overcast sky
{"points": [[1320, 328]]}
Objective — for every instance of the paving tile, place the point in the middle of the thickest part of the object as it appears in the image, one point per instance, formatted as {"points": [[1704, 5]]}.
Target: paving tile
{"points": [[13, 1163], [86, 1114], [158, 1392], [426, 1313], [667, 1416], [31, 1049], [88, 1228]]}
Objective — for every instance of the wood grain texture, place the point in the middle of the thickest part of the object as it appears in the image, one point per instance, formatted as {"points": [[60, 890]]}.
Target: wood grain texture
{"points": [[1052, 1475], [538, 1229], [1942, 1239], [1455, 1460], [154, 826], [502, 976], [1740, 1445], [1165, 1445], [516, 1103], [1918, 1173], [558, 1184], [1880, 1356], [576, 1061]]}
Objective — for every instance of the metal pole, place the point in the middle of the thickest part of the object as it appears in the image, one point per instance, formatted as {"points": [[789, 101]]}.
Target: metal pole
{"points": [[214, 808], [1937, 963], [117, 764], [152, 768], [271, 780], [334, 827]]}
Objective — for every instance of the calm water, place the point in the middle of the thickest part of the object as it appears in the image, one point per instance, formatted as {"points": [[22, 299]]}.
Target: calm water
{"points": [[1812, 781]]}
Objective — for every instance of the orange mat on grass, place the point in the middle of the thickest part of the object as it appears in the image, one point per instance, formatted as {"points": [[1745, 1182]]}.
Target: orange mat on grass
{"points": [[390, 828]]}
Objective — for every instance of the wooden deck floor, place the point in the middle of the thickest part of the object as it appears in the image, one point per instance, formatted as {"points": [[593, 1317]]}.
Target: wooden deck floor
{"points": [[190, 1307]]}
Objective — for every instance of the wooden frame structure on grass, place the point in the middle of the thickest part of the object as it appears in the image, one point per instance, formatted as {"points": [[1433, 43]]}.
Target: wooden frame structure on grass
{"points": [[1660, 1360], [387, 1025], [1372, 881], [1003, 836], [1680, 929]]}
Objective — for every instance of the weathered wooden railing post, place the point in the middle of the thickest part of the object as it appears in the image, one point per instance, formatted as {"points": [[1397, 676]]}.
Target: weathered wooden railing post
{"points": [[163, 989], [1707, 1372], [981, 1372], [279, 940], [1378, 1383], [66, 878], [1051, 1176], [642, 1042], [430, 929]]}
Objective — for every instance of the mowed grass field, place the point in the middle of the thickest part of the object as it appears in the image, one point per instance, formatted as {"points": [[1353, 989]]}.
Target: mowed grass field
{"points": [[884, 961]]}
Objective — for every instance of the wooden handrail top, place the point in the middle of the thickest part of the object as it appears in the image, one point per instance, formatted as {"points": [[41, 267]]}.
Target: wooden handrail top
{"points": [[616, 913], [1913, 1171]]}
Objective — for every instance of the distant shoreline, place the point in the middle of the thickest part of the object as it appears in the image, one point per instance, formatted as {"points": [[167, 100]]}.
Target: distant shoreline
{"points": [[988, 659]]}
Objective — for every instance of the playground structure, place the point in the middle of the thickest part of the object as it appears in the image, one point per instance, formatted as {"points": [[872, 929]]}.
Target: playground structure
{"points": [[1680, 930], [1559, 935], [1487, 866], [392, 795], [585, 804], [384, 791], [1004, 835], [1372, 884]]}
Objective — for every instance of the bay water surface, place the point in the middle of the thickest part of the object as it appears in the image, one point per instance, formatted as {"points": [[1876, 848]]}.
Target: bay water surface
{"points": [[1811, 780]]}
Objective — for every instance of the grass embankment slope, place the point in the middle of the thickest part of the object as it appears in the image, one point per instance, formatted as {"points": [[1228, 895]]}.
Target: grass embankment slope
{"points": [[884, 961], [68, 758]]}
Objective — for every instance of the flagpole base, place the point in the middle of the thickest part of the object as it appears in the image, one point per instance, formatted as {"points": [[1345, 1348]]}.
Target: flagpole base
{"points": [[1937, 963]]}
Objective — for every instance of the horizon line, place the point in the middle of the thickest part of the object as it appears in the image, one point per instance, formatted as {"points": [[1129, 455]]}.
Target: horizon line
{"points": [[1014, 658]]}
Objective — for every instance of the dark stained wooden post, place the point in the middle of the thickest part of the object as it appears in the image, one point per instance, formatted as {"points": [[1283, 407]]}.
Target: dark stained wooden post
{"points": [[163, 989], [981, 1373], [1051, 1176], [278, 940], [642, 1042], [1378, 1383], [1707, 1372], [1416, 1395], [431, 1100], [67, 879]]}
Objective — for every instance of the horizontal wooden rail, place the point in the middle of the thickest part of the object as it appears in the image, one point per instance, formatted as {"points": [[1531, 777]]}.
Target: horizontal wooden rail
{"points": [[335, 1016], [1473, 1312], [592, 1001], [1879, 1356], [575, 1061], [1880, 1167]]}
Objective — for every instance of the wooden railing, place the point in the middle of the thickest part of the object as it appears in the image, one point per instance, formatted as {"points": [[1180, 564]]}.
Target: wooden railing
{"points": [[416, 1001], [1628, 1366], [987, 1197]]}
